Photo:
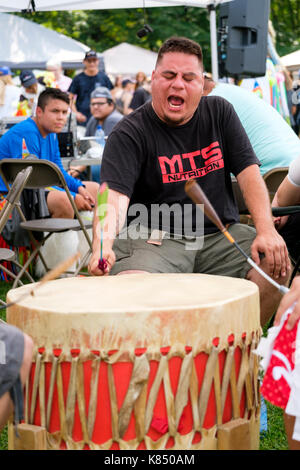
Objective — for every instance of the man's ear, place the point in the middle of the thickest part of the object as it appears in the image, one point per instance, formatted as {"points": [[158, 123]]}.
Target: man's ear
{"points": [[38, 111]]}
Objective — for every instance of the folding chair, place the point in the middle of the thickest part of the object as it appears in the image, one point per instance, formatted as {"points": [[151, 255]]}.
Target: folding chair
{"points": [[239, 197], [12, 199], [44, 174], [273, 179]]}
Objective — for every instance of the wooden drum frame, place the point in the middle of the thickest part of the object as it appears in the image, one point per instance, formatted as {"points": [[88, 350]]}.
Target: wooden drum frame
{"points": [[141, 361]]}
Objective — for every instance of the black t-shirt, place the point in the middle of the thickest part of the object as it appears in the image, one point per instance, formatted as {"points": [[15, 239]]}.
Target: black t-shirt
{"points": [[83, 85], [149, 161], [140, 96]]}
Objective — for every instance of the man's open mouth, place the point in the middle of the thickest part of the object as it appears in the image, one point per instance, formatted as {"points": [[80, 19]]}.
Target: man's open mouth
{"points": [[175, 101]]}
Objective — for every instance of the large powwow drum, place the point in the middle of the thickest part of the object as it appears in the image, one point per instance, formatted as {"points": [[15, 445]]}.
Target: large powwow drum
{"points": [[157, 361]]}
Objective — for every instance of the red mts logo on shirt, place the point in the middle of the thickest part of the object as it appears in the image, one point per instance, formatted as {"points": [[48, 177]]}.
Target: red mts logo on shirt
{"points": [[172, 168]]}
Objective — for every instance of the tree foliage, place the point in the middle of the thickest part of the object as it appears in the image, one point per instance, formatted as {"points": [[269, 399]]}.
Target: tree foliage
{"points": [[285, 16], [102, 29]]}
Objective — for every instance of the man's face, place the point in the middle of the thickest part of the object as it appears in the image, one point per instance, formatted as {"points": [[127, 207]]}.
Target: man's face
{"points": [[33, 89], [91, 65], [177, 87], [57, 71], [53, 117], [100, 108]]}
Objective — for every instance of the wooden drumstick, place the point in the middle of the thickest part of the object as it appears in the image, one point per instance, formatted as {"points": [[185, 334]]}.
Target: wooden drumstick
{"points": [[49, 276], [194, 191], [55, 272]]}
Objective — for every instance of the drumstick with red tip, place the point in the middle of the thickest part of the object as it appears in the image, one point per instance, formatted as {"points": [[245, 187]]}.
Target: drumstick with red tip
{"points": [[194, 191]]}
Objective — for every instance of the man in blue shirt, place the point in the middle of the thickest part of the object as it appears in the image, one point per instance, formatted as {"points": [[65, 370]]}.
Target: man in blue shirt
{"points": [[37, 136], [84, 83]]}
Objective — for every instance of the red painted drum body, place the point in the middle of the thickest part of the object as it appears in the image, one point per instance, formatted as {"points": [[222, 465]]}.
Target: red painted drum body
{"points": [[157, 361]]}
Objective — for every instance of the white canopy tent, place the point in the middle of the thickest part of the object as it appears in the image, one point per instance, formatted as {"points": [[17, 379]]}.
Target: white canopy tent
{"points": [[25, 44], [126, 59], [48, 5], [292, 61]]}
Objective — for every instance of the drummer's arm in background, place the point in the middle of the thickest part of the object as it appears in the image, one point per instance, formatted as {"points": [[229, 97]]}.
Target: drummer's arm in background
{"points": [[6, 403], [288, 193], [268, 240], [117, 206]]}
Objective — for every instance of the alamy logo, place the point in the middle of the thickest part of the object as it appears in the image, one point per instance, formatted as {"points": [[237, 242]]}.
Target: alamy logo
{"points": [[184, 166]]}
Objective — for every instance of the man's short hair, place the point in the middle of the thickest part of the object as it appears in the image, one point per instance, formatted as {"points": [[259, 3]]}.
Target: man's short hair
{"points": [[52, 94], [180, 44]]}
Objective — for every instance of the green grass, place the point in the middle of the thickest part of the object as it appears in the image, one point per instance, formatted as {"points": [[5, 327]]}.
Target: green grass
{"points": [[3, 439], [273, 439], [4, 287]]}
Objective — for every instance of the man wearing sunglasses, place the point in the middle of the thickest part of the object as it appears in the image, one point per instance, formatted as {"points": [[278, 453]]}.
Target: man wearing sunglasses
{"points": [[84, 83]]}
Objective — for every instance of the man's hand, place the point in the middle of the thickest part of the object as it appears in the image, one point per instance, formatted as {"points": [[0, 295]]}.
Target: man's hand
{"points": [[76, 170], [80, 117], [117, 206], [292, 297], [108, 255], [84, 200], [272, 245], [267, 241]]}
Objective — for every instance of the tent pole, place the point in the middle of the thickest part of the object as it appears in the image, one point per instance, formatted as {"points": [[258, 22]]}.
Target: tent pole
{"points": [[213, 42]]}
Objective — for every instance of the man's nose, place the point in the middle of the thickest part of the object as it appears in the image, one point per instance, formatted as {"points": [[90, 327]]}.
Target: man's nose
{"points": [[178, 81]]}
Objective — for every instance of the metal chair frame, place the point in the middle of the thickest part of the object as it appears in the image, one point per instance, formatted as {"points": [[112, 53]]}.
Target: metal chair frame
{"points": [[44, 174], [12, 201]]}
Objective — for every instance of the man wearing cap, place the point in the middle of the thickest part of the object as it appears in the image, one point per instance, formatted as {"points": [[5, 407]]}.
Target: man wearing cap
{"points": [[30, 91], [104, 113], [9, 93], [125, 99], [84, 83]]}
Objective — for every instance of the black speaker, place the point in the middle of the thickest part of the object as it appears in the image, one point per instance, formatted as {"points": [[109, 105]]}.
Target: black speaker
{"points": [[243, 37], [67, 138]]}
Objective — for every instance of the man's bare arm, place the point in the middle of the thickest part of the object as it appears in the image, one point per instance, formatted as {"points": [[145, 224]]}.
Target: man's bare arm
{"points": [[117, 206], [267, 240]]}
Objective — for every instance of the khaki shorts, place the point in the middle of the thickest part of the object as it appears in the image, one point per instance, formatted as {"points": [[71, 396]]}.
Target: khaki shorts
{"points": [[211, 255], [220, 257]]}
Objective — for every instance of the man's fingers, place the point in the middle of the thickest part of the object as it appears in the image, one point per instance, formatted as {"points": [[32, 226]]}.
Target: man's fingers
{"points": [[93, 267], [255, 255], [279, 263]]}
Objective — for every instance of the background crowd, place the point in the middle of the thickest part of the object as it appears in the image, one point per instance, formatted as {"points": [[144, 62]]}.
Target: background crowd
{"points": [[19, 92]]}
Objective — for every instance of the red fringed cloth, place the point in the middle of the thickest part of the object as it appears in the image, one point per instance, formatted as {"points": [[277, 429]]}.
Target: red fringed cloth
{"points": [[22, 252]]}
